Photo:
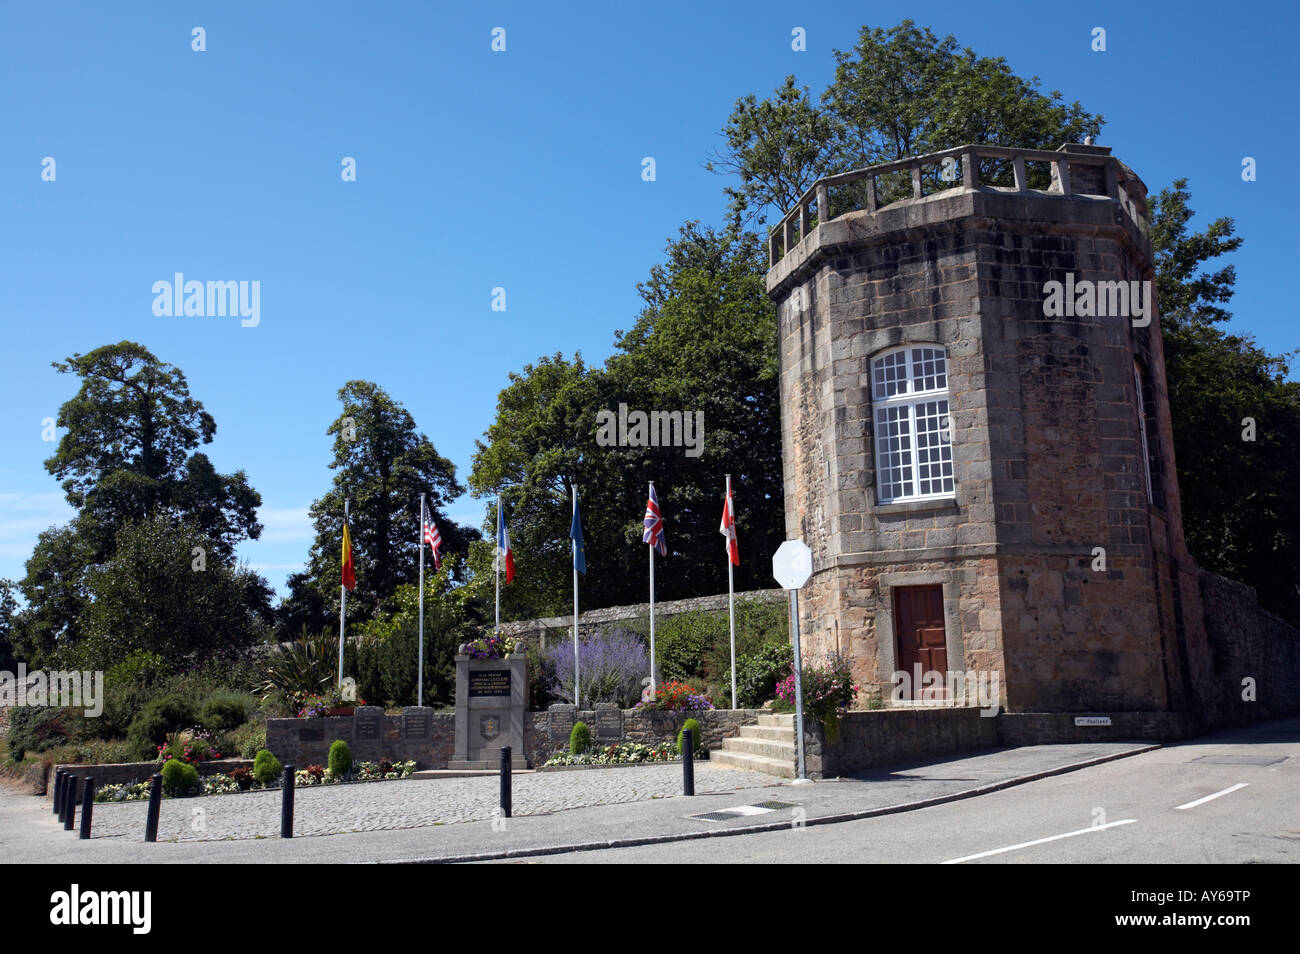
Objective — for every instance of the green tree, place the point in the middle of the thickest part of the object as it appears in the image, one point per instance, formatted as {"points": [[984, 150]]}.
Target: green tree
{"points": [[1240, 514], [705, 341], [8, 610], [899, 92], [128, 452], [385, 652], [382, 465], [166, 590]]}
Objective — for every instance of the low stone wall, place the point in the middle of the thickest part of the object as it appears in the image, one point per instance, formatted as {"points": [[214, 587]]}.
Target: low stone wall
{"points": [[1247, 643], [431, 741], [546, 733], [882, 737], [1055, 728], [126, 773], [419, 734], [885, 736]]}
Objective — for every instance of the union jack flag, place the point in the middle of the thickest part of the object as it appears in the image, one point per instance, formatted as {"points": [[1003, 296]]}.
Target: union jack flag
{"points": [[433, 538], [654, 525]]}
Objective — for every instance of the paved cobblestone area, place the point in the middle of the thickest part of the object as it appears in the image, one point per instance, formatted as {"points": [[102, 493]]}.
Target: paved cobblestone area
{"points": [[410, 803]]}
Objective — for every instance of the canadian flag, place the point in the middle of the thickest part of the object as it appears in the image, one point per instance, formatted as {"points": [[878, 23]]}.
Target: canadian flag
{"points": [[728, 529]]}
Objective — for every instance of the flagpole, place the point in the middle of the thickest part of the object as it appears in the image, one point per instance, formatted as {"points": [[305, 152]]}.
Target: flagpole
{"points": [[498, 563], [343, 603], [731, 594], [419, 679], [576, 683], [652, 610]]}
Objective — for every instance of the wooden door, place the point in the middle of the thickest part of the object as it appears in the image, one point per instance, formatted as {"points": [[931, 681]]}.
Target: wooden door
{"points": [[922, 641]]}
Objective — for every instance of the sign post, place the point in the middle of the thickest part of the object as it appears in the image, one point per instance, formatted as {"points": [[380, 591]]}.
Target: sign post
{"points": [[792, 567]]}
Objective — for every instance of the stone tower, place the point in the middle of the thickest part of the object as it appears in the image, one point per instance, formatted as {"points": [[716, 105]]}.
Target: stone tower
{"points": [[981, 460]]}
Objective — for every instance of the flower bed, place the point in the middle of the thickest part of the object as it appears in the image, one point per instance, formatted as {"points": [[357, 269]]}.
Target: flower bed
{"points": [[222, 784], [623, 753], [489, 647], [674, 696]]}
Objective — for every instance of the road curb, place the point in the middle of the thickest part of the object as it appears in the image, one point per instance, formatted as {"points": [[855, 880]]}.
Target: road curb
{"points": [[510, 853]]}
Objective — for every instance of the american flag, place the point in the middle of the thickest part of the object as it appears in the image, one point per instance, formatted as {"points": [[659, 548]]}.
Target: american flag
{"points": [[433, 538], [654, 525]]}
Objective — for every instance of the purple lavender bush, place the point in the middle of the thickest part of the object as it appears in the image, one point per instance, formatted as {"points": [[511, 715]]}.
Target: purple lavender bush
{"points": [[611, 665]]}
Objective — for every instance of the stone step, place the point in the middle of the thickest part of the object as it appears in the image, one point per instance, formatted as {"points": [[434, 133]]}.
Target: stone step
{"points": [[764, 747], [752, 763], [771, 732], [777, 720]]}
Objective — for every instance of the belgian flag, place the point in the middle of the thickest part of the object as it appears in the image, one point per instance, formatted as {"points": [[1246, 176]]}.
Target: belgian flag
{"points": [[349, 571]]}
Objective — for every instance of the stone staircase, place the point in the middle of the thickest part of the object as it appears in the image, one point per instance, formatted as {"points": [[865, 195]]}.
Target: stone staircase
{"points": [[767, 747]]}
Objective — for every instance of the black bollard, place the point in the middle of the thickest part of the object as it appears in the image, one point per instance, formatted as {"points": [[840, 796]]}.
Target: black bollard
{"points": [[87, 807], [286, 803], [155, 806], [58, 790], [63, 797], [505, 781], [688, 762], [70, 803]]}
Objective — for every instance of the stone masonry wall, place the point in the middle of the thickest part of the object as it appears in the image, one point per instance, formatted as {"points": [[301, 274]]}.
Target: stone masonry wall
{"points": [[307, 741]]}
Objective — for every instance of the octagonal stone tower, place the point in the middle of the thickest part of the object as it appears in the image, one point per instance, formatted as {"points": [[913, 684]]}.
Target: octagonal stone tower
{"points": [[981, 460]]}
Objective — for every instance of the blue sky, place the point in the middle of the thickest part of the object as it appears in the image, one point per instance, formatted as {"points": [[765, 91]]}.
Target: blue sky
{"points": [[476, 170]]}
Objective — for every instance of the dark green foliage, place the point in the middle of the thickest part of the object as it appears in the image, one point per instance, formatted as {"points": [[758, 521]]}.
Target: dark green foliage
{"points": [[381, 458], [682, 642], [696, 734], [579, 738], [158, 717], [758, 674], [179, 778], [305, 666], [37, 729], [266, 768], [224, 711], [340, 760], [384, 653], [1241, 514]]}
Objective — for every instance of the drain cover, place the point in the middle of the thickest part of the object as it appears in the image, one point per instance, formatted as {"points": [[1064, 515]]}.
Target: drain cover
{"points": [[717, 816], [1241, 759], [774, 806]]}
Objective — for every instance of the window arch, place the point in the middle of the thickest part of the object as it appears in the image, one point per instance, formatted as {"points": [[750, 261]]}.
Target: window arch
{"points": [[913, 437]]}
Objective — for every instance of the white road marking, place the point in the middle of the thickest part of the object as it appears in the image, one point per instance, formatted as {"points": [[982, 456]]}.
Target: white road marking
{"points": [[1208, 798], [1040, 841]]}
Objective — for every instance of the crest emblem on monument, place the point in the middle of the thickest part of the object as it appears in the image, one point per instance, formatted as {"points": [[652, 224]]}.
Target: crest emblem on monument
{"points": [[489, 726]]}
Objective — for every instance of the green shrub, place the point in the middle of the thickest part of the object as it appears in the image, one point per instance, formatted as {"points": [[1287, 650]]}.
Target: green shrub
{"points": [[579, 738], [266, 768], [340, 760], [758, 674], [150, 727], [696, 735], [683, 642], [244, 742], [179, 778], [37, 729], [223, 711], [127, 687]]}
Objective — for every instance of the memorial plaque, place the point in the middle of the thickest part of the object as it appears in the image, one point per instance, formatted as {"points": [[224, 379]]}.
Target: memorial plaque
{"points": [[489, 682], [311, 730], [367, 724], [415, 724], [609, 722], [559, 723]]}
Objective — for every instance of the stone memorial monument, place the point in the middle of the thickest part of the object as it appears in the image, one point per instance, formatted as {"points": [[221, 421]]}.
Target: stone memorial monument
{"points": [[490, 699]]}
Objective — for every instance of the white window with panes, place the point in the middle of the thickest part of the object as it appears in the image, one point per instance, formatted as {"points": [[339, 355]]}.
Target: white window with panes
{"points": [[909, 395]]}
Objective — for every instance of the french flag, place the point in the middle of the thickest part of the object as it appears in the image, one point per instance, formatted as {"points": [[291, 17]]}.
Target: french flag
{"points": [[503, 543]]}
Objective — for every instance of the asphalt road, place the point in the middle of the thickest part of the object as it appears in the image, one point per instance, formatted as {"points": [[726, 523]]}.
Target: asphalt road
{"points": [[1209, 801]]}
